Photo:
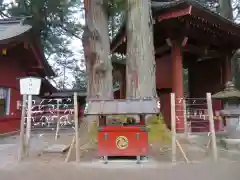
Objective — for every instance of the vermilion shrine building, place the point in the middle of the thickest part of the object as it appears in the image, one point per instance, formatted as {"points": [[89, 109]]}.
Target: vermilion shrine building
{"points": [[21, 55], [189, 36]]}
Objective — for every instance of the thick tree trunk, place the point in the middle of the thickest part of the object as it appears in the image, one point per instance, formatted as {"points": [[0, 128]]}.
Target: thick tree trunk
{"points": [[98, 63], [140, 65], [89, 54], [96, 50]]}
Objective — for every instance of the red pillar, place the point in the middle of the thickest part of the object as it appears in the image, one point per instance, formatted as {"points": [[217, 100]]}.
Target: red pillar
{"points": [[177, 84]]}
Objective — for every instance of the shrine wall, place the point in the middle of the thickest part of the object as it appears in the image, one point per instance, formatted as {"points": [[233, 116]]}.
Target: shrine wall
{"points": [[206, 76], [10, 70]]}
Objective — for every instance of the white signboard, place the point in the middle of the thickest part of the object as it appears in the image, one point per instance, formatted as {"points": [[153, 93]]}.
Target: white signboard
{"points": [[30, 85]]}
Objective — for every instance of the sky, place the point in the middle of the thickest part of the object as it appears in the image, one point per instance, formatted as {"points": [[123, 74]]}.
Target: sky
{"points": [[77, 49]]}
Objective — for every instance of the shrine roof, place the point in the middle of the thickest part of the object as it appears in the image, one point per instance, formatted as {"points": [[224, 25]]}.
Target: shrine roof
{"points": [[193, 12], [48, 68], [12, 28]]}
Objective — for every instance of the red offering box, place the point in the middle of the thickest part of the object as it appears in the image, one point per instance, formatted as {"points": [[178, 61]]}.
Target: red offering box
{"points": [[123, 141]]}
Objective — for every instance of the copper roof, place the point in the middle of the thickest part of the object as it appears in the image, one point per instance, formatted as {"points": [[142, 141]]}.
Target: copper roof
{"points": [[197, 11], [11, 28]]}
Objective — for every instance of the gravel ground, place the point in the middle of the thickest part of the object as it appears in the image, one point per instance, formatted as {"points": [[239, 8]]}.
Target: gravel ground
{"points": [[61, 171], [53, 166]]}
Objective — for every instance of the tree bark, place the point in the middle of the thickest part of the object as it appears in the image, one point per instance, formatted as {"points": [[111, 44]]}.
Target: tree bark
{"points": [[98, 62], [140, 63], [96, 45], [88, 50]]}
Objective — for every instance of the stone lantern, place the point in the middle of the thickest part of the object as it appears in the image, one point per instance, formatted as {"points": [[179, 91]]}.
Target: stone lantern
{"points": [[231, 111]]}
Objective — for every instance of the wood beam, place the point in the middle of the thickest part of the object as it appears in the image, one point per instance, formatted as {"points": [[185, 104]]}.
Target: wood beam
{"points": [[25, 44], [201, 51], [162, 49], [7, 47], [179, 38], [184, 42], [169, 42], [36, 55], [37, 67], [175, 14], [32, 73]]}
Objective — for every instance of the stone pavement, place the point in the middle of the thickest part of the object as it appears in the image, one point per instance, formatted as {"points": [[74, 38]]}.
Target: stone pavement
{"points": [[73, 171], [35, 169]]}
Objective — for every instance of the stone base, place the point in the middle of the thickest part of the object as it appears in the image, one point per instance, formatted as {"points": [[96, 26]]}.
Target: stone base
{"points": [[231, 144]]}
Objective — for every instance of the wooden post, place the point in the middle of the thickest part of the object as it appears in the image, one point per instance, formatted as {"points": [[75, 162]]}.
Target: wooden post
{"points": [[76, 127], [185, 118], [212, 128], [22, 129], [173, 127], [29, 123], [182, 151], [70, 149], [58, 121]]}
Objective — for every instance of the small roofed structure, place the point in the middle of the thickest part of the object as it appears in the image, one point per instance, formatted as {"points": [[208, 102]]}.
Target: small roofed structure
{"points": [[118, 138], [122, 106], [82, 94], [21, 55]]}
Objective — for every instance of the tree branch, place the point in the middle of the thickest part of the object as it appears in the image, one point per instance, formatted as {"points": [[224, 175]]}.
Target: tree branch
{"points": [[71, 33], [2, 9]]}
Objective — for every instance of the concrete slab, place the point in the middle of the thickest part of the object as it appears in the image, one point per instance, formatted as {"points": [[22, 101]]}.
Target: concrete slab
{"points": [[56, 148], [5, 146], [8, 155], [123, 164]]}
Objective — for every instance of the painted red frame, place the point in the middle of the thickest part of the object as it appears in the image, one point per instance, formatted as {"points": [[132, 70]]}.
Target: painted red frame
{"points": [[137, 137]]}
